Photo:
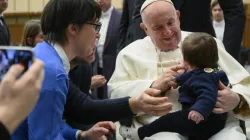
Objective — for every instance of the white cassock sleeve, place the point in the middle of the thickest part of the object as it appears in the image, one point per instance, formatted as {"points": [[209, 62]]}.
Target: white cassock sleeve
{"points": [[238, 76], [125, 81]]}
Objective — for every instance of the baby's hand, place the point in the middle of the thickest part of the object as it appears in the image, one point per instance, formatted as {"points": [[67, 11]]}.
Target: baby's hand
{"points": [[195, 116], [175, 84]]}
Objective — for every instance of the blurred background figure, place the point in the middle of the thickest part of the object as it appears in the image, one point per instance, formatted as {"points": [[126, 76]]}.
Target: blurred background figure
{"points": [[218, 19], [4, 30], [32, 33], [107, 45], [126, 20]]}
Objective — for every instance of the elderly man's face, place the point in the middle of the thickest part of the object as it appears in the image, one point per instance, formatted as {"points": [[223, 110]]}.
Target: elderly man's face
{"points": [[3, 5], [161, 23]]}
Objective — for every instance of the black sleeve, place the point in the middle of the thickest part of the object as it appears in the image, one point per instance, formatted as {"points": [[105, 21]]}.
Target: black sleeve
{"points": [[123, 26], [4, 133], [81, 76], [178, 4], [235, 17], [2, 39], [193, 21], [82, 109], [137, 5]]}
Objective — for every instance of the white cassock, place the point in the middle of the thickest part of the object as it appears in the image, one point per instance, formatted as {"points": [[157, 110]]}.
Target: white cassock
{"points": [[140, 63]]}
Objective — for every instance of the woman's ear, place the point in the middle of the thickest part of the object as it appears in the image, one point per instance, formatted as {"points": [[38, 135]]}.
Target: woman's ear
{"points": [[73, 29]]}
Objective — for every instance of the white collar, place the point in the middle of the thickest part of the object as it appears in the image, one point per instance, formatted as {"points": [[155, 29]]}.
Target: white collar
{"points": [[108, 12], [221, 23], [63, 56]]}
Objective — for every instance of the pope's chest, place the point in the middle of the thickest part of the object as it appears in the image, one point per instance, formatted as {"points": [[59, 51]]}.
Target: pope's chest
{"points": [[154, 64]]}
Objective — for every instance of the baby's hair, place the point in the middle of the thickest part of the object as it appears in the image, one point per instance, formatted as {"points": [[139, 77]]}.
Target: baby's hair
{"points": [[200, 50]]}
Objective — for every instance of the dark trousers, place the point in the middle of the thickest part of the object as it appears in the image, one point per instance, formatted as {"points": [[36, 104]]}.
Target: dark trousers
{"points": [[178, 122], [101, 91]]}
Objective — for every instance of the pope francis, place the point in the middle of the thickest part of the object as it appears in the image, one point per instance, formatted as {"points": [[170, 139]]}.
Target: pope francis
{"points": [[154, 61]]}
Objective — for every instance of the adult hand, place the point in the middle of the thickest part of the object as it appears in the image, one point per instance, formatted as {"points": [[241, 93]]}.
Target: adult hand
{"points": [[165, 81], [227, 99], [19, 96], [149, 104], [176, 70], [98, 131], [98, 81]]}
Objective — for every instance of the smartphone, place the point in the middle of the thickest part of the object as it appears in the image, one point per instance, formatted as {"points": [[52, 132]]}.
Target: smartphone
{"points": [[10, 55]]}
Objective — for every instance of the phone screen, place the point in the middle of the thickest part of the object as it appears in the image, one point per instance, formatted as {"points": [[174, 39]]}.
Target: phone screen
{"points": [[9, 57]]}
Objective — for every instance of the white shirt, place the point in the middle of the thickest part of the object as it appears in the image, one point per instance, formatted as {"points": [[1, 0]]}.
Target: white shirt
{"points": [[219, 28], [105, 18], [66, 65], [63, 56]]}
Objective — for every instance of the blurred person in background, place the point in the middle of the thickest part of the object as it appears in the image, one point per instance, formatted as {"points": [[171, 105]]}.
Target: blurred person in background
{"points": [[4, 30], [107, 45], [218, 19], [32, 33]]}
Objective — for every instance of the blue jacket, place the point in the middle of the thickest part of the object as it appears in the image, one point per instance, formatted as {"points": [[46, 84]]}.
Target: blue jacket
{"points": [[45, 121], [200, 89]]}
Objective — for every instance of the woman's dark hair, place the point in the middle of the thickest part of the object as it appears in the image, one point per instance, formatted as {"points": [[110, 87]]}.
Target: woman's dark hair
{"points": [[58, 14], [214, 3], [31, 29], [200, 50]]}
